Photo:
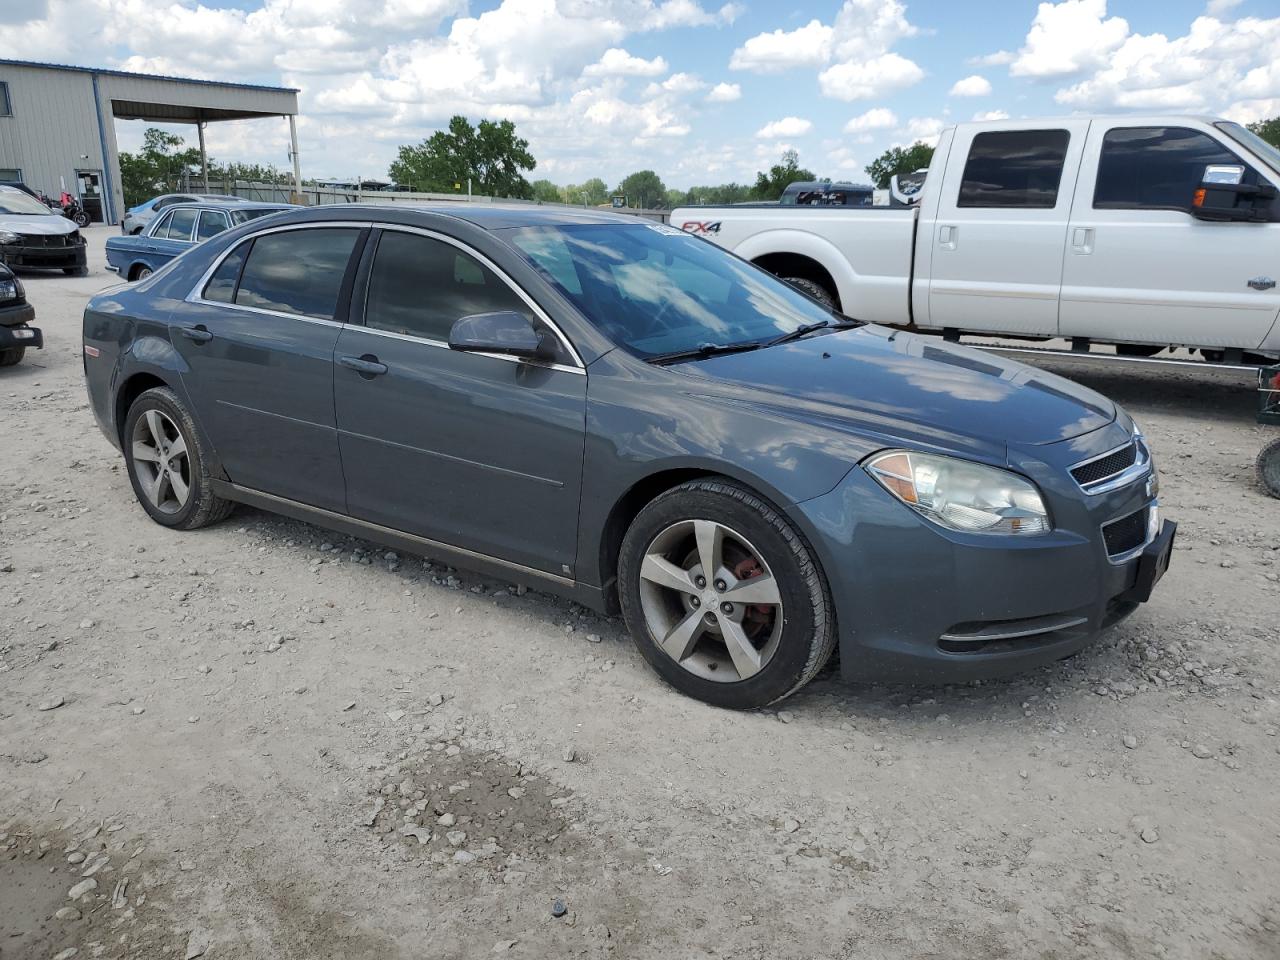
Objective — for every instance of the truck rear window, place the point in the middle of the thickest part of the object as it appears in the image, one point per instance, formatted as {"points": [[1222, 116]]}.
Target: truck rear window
{"points": [[1014, 168]]}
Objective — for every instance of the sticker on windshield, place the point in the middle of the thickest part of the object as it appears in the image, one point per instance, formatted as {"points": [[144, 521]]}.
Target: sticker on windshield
{"points": [[664, 229]]}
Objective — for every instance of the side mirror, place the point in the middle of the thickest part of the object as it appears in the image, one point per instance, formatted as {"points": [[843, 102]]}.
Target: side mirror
{"points": [[504, 331], [1222, 197]]}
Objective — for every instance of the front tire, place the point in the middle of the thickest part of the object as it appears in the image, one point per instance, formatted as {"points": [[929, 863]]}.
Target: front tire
{"points": [[723, 597], [167, 463], [12, 357]]}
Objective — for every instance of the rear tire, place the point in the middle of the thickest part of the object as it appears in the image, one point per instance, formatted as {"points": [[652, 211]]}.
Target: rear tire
{"points": [[1268, 467], [141, 273], [12, 357], [168, 465], [812, 289], [785, 614]]}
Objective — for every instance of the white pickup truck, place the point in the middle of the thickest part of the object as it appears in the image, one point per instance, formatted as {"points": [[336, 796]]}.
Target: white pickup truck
{"points": [[1142, 231]]}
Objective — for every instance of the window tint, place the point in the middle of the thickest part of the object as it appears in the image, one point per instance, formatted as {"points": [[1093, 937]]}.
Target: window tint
{"points": [[212, 223], [420, 286], [161, 228], [298, 272], [222, 285], [1014, 168], [1155, 168], [181, 222]]}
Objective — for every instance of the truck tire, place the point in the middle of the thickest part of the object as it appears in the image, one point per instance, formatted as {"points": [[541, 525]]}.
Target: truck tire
{"points": [[812, 289], [1268, 467], [12, 356]]}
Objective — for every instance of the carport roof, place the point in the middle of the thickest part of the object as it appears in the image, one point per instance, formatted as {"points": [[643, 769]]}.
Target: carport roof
{"points": [[105, 71]]}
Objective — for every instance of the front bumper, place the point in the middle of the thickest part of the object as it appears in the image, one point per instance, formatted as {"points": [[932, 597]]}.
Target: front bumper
{"points": [[44, 257], [20, 335], [916, 603]]}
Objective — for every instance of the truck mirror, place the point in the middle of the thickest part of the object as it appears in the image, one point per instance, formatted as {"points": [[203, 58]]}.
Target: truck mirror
{"points": [[1222, 197], [1225, 173]]}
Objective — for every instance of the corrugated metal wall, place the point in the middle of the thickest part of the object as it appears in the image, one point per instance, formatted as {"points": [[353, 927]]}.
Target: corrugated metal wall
{"points": [[53, 128]]}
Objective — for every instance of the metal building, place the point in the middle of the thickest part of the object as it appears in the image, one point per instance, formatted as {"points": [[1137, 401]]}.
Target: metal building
{"points": [[57, 123]]}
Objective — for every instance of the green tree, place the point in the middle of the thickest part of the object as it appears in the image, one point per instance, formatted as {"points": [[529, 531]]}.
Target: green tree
{"points": [[158, 167], [897, 160], [490, 154], [769, 186], [546, 191], [725, 193], [250, 172], [676, 198], [644, 189], [1268, 130], [590, 193]]}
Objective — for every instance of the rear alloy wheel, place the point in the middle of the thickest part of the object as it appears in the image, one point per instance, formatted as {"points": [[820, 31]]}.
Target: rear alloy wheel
{"points": [[167, 463], [142, 273], [723, 597]]}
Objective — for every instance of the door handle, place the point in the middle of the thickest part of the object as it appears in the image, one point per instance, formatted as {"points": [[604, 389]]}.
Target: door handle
{"points": [[367, 366], [1082, 240], [198, 333], [947, 236]]}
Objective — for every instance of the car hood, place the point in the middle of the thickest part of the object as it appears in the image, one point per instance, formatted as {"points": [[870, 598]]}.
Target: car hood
{"points": [[37, 225], [883, 377]]}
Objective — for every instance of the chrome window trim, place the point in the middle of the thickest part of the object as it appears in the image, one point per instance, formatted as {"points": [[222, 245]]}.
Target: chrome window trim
{"points": [[501, 275], [155, 225], [195, 296], [1140, 467], [173, 212]]}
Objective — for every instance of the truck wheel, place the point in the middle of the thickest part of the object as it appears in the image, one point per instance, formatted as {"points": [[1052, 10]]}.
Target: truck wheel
{"points": [[1269, 468], [1137, 349], [167, 464], [76, 271], [12, 356], [723, 597], [813, 289]]}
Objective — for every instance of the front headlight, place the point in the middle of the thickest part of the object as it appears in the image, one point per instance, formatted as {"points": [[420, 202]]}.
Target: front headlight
{"points": [[8, 290], [7, 236], [961, 495]]}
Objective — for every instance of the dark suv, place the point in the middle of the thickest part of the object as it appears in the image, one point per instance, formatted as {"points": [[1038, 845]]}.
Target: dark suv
{"points": [[16, 332]]}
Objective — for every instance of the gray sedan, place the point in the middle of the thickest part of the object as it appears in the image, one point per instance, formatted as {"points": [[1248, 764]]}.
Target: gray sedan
{"points": [[631, 417]]}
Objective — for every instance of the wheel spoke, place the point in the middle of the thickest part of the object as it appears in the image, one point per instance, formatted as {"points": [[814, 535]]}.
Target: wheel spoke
{"points": [[761, 589], [664, 573], [746, 658], [679, 642], [154, 486], [156, 425], [710, 538], [145, 452], [178, 447], [178, 486]]}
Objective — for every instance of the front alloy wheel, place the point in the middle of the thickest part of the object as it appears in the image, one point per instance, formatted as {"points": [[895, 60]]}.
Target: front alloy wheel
{"points": [[723, 596]]}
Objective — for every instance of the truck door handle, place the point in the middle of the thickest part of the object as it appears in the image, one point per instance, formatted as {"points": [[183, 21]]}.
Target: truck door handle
{"points": [[367, 366], [1082, 240], [199, 333], [947, 234]]}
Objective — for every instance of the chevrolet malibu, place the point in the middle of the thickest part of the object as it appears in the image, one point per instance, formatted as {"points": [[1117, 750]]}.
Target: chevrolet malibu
{"points": [[633, 418]]}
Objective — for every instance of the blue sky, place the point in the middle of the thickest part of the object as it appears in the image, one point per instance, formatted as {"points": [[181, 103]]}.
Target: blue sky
{"points": [[702, 91]]}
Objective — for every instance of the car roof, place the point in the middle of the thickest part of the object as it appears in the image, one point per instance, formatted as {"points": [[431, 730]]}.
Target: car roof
{"points": [[496, 216], [246, 205]]}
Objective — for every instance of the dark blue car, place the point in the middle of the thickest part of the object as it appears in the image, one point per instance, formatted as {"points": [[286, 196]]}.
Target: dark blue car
{"points": [[176, 230], [637, 419]]}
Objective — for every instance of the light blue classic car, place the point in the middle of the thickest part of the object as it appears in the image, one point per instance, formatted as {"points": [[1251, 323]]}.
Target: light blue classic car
{"points": [[176, 230]]}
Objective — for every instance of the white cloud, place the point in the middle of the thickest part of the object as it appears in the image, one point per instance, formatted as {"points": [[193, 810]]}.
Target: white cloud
{"points": [[724, 93], [677, 83], [870, 78], [974, 86], [998, 59], [780, 50], [991, 115], [877, 118], [1216, 8], [786, 127], [616, 62], [925, 128], [1067, 38]]}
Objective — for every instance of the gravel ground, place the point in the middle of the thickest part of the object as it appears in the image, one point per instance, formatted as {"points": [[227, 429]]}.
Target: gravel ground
{"points": [[266, 740]]}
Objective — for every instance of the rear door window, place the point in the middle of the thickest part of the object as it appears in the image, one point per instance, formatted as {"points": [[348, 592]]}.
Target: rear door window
{"points": [[212, 223], [1156, 168], [1014, 168], [297, 271], [182, 222]]}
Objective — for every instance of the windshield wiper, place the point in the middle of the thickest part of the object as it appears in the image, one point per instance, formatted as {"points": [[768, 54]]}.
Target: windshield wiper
{"points": [[702, 352], [805, 329]]}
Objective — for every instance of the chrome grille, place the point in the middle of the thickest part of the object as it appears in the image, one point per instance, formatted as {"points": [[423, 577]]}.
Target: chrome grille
{"points": [[1105, 467]]}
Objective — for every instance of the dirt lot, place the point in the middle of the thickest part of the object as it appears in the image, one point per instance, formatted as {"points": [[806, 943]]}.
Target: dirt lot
{"points": [[264, 740]]}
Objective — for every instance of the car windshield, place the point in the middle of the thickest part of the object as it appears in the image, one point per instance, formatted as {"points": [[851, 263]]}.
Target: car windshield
{"points": [[17, 203], [657, 291], [1247, 138], [244, 216]]}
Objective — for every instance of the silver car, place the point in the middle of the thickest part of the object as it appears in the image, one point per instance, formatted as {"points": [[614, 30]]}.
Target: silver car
{"points": [[137, 218]]}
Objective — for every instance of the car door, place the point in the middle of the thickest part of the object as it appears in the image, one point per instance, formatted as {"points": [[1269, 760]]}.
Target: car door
{"points": [[1140, 268], [1003, 208], [478, 451], [258, 335]]}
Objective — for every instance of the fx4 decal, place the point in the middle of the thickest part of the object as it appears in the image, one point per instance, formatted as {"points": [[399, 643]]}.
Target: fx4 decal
{"points": [[701, 226]]}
